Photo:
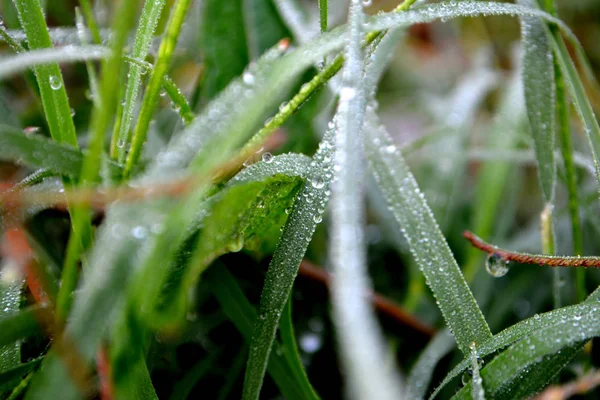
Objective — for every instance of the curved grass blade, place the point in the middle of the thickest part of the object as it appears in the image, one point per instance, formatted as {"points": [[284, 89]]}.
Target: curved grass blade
{"points": [[297, 232], [576, 324], [422, 371], [517, 332], [426, 242], [580, 100], [242, 314], [40, 58], [540, 99], [143, 37], [165, 53], [37, 151], [22, 324], [10, 378]]}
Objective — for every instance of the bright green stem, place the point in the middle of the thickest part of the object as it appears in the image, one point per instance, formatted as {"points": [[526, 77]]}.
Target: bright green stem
{"points": [[150, 101], [49, 78], [16, 46], [323, 9], [144, 35], [101, 118]]}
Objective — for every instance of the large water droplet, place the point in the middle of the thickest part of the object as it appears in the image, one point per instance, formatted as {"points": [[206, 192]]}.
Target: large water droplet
{"points": [[496, 266], [267, 157], [55, 82], [317, 182], [248, 78]]}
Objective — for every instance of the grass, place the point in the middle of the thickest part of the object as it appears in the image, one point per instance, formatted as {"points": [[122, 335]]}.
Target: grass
{"points": [[154, 233]]}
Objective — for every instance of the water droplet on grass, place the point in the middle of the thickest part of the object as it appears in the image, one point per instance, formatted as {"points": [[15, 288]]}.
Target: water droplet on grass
{"points": [[55, 82], [267, 157]]}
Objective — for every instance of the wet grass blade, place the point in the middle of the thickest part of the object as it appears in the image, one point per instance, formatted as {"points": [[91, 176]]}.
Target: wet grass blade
{"points": [[540, 99], [49, 78], [518, 332], [37, 151], [297, 233], [242, 314], [10, 297], [165, 53], [426, 242], [143, 37]]}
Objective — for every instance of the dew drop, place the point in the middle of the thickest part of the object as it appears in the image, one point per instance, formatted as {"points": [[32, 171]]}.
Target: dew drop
{"points": [[139, 232], [267, 157], [496, 266], [367, 3], [120, 143], [55, 82], [163, 93], [317, 182], [317, 219], [72, 112], [248, 78]]}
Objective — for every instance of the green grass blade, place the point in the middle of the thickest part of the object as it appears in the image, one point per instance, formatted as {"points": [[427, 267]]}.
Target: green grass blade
{"points": [[426, 242], [263, 26], [37, 151], [242, 314], [518, 332], [223, 41], [184, 386], [101, 118], [83, 38], [576, 324], [540, 99], [10, 297], [297, 232], [290, 349], [12, 377], [580, 100], [21, 324], [323, 8], [165, 53], [49, 78], [143, 37]]}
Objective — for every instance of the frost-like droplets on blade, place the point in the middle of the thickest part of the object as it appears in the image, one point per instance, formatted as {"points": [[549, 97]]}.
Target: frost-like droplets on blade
{"points": [[496, 266]]}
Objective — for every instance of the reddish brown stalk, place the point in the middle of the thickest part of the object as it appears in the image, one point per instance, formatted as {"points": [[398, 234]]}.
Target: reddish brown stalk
{"points": [[104, 374], [381, 303], [525, 258]]}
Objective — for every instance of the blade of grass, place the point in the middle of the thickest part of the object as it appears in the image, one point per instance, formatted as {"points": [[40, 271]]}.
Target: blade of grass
{"points": [[518, 332], [10, 297], [323, 8], [22, 324], [426, 242], [297, 232], [37, 151], [83, 38], [290, 349], [242, 314], [100, 120], [540, 100], [143, 37], [91, 21], [49, 78], [9, 378], [361, 345], [165, 53]]}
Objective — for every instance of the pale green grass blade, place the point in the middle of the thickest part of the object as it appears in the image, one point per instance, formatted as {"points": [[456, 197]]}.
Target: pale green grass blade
{"points": [[368, 373], [43, 57], [143, 37], [422, 371], [426, 242], [298, 230], [540, 99], [49, 77], [165, 53]]}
